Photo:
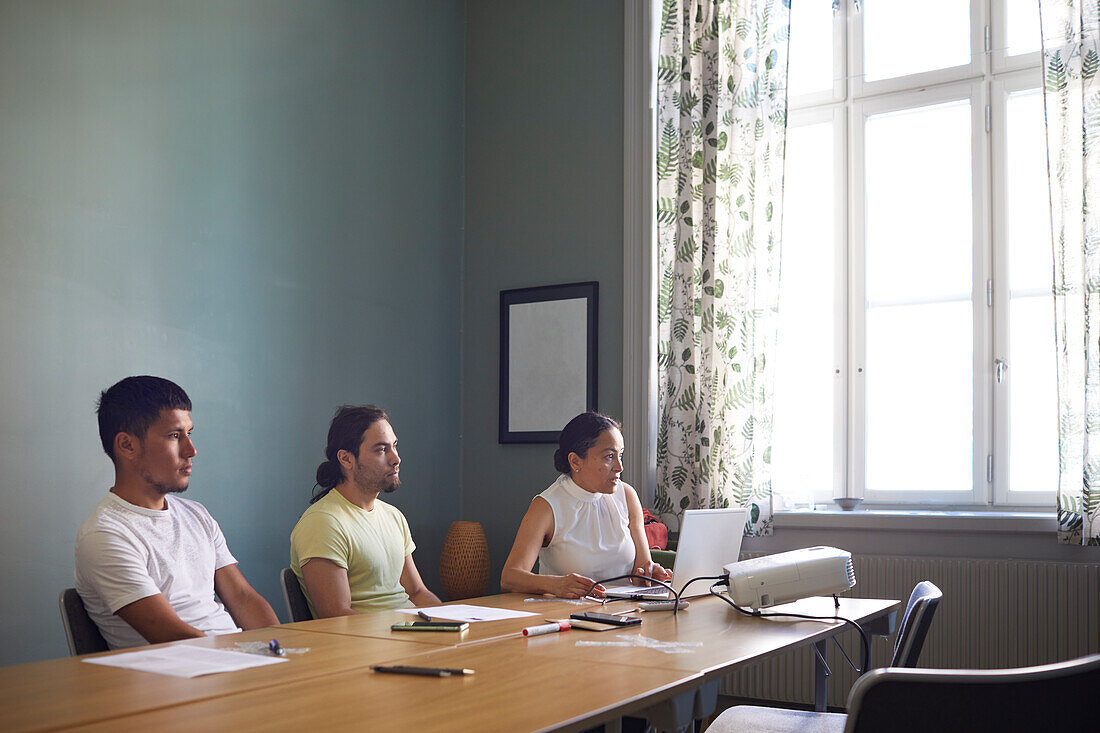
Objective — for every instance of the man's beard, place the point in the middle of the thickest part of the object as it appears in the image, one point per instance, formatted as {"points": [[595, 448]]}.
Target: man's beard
{"points": [[385, 485], [162, 489], [389, 485]]}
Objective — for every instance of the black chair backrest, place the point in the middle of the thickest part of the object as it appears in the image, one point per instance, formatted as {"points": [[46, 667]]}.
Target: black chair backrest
{"points": [[296, 604], [1049, 697], [914, 624], [80, 631]]}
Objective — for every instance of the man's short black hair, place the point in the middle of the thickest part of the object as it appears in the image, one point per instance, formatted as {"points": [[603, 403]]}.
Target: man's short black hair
{"points": [[134, 404]]}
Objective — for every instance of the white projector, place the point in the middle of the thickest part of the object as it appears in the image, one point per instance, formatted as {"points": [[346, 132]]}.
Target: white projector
{"points": [[788, 576]]}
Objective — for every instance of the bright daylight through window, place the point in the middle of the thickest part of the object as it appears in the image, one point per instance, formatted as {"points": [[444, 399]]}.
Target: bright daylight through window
{"points": [[916, 361]]}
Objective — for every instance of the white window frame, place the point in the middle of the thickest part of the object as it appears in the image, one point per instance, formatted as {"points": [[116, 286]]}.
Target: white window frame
{"points": [[999, 58], [1000, 89], [840, 86], [862, 109], [861, 88], [851, 99], [837, 117]]}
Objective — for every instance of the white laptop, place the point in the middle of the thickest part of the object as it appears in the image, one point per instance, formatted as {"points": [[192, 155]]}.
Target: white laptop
{"points": [[710, 539]]}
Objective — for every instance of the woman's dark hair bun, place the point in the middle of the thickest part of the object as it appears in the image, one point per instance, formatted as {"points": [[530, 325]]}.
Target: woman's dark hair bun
{"points": [[580, 434], [561, 462]]}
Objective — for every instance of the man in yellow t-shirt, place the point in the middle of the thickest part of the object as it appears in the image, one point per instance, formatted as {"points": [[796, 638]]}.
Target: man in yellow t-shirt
{"points": [[352, 551]]}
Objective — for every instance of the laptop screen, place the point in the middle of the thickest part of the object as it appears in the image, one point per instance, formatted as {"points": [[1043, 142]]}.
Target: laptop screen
{"points": [[709, 540]]}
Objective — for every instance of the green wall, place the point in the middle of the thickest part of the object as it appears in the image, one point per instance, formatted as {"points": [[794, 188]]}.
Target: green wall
{"points": [[260, 200], [544, 205]]}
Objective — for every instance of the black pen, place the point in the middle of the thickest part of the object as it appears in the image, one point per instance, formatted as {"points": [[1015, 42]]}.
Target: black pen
{"points": [[426, 671], [424, 616]]}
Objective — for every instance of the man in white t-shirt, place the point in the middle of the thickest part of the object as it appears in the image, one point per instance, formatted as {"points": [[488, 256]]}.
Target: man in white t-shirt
{"points": [[148, 563]]}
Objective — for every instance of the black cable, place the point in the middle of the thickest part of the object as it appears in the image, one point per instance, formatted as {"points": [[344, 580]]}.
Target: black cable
{"points": [[864, 641], [632, 575], [672, 591]]}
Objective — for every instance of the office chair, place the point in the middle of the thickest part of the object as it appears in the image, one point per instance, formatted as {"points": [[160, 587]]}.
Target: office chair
{"points": [[80, 631], [296, 604], [922, 605], [1046, 697]]}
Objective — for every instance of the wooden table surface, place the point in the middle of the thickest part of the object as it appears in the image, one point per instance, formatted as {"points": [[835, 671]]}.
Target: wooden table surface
{"points": [[68, 691], [511, 691], [726, 637], [377, 624], [538, 683]]}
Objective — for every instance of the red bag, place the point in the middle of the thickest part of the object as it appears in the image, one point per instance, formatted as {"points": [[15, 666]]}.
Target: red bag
{"points": [[656, 532]]}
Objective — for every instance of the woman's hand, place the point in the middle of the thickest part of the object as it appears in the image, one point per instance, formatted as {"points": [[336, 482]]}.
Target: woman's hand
{"points": [[575, 585], [652, 570]]}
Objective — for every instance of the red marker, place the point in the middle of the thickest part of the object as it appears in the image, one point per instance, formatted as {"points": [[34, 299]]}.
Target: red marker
{"points": [[550, 628]]}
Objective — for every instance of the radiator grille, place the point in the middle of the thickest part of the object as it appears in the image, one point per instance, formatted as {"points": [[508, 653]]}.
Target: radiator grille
{"points": [[994, 614]]}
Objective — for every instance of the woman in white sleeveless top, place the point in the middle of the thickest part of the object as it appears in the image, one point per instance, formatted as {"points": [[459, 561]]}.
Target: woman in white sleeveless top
{"points": [[588, 525]]}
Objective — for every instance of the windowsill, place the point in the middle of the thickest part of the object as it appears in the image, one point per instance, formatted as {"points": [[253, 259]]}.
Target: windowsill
{"points": [[918, 520]]}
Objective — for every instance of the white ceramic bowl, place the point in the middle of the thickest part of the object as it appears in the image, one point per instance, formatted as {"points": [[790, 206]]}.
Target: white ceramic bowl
{"points": [[847, 503]]}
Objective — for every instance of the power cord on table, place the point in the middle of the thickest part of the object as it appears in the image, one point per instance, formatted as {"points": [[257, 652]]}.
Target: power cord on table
{"points": [[723, 580], [864, 641]]}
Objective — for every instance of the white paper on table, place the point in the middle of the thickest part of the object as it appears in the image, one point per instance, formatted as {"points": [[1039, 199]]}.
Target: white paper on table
{"points": [[185, 661], [465, 612]]}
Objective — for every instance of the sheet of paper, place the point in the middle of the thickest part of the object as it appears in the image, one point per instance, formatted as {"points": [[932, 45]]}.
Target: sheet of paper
{"points": [[463, 612], [185, 661], [628, 591]]}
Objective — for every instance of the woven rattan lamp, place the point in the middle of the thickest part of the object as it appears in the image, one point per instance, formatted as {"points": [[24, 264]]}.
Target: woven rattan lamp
{"points": [[464, 563]]}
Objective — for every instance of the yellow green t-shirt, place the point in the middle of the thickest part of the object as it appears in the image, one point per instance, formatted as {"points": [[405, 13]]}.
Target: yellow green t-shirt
{"points": [[371, 546]]}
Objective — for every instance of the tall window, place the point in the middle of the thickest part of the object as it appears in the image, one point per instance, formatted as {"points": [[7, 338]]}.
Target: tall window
{"points": [[916, 343]]}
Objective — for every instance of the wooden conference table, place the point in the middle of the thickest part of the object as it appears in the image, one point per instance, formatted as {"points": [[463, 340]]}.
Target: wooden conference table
{"points": [[536, 683]]}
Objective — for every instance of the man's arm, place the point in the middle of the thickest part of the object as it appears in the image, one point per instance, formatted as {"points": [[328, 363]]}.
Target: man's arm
{"points": [[414, 586], [154, 618], [248, 608], [113, 568], [328, 588]]}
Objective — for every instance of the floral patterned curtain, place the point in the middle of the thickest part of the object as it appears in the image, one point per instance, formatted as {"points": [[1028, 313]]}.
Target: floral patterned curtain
{"points": [[1071, 94], [721, 126]]}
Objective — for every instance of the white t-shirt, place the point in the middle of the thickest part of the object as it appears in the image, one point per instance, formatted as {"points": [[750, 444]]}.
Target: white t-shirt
{"points": [[125, 553], [591, 532]]}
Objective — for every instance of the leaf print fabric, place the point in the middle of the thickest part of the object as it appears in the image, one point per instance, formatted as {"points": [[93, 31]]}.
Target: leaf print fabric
{"points": [[721, 129], [1071, 57]]}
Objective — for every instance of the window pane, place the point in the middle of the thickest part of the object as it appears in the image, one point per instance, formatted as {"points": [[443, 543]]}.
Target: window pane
{"points": [[1031, 258], [1032, 377], [810, 65], [919, 396], [1022, 26], [902, 37], [918, 202], [802, 447], [919, 320]]}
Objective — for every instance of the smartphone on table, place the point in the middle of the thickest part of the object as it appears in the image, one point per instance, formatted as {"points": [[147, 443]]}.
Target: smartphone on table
{"points": [[606, 618]]}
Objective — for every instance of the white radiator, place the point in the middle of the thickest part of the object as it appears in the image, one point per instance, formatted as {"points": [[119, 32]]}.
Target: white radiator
{"points": [[994, 614]]}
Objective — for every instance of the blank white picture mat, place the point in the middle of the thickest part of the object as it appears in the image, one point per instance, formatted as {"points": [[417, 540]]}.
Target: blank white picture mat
{"points": [[547, 364], [709, 540]]}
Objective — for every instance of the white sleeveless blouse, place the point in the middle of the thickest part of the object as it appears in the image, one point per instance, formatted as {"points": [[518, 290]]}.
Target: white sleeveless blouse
{"points": [[591, 535]]}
